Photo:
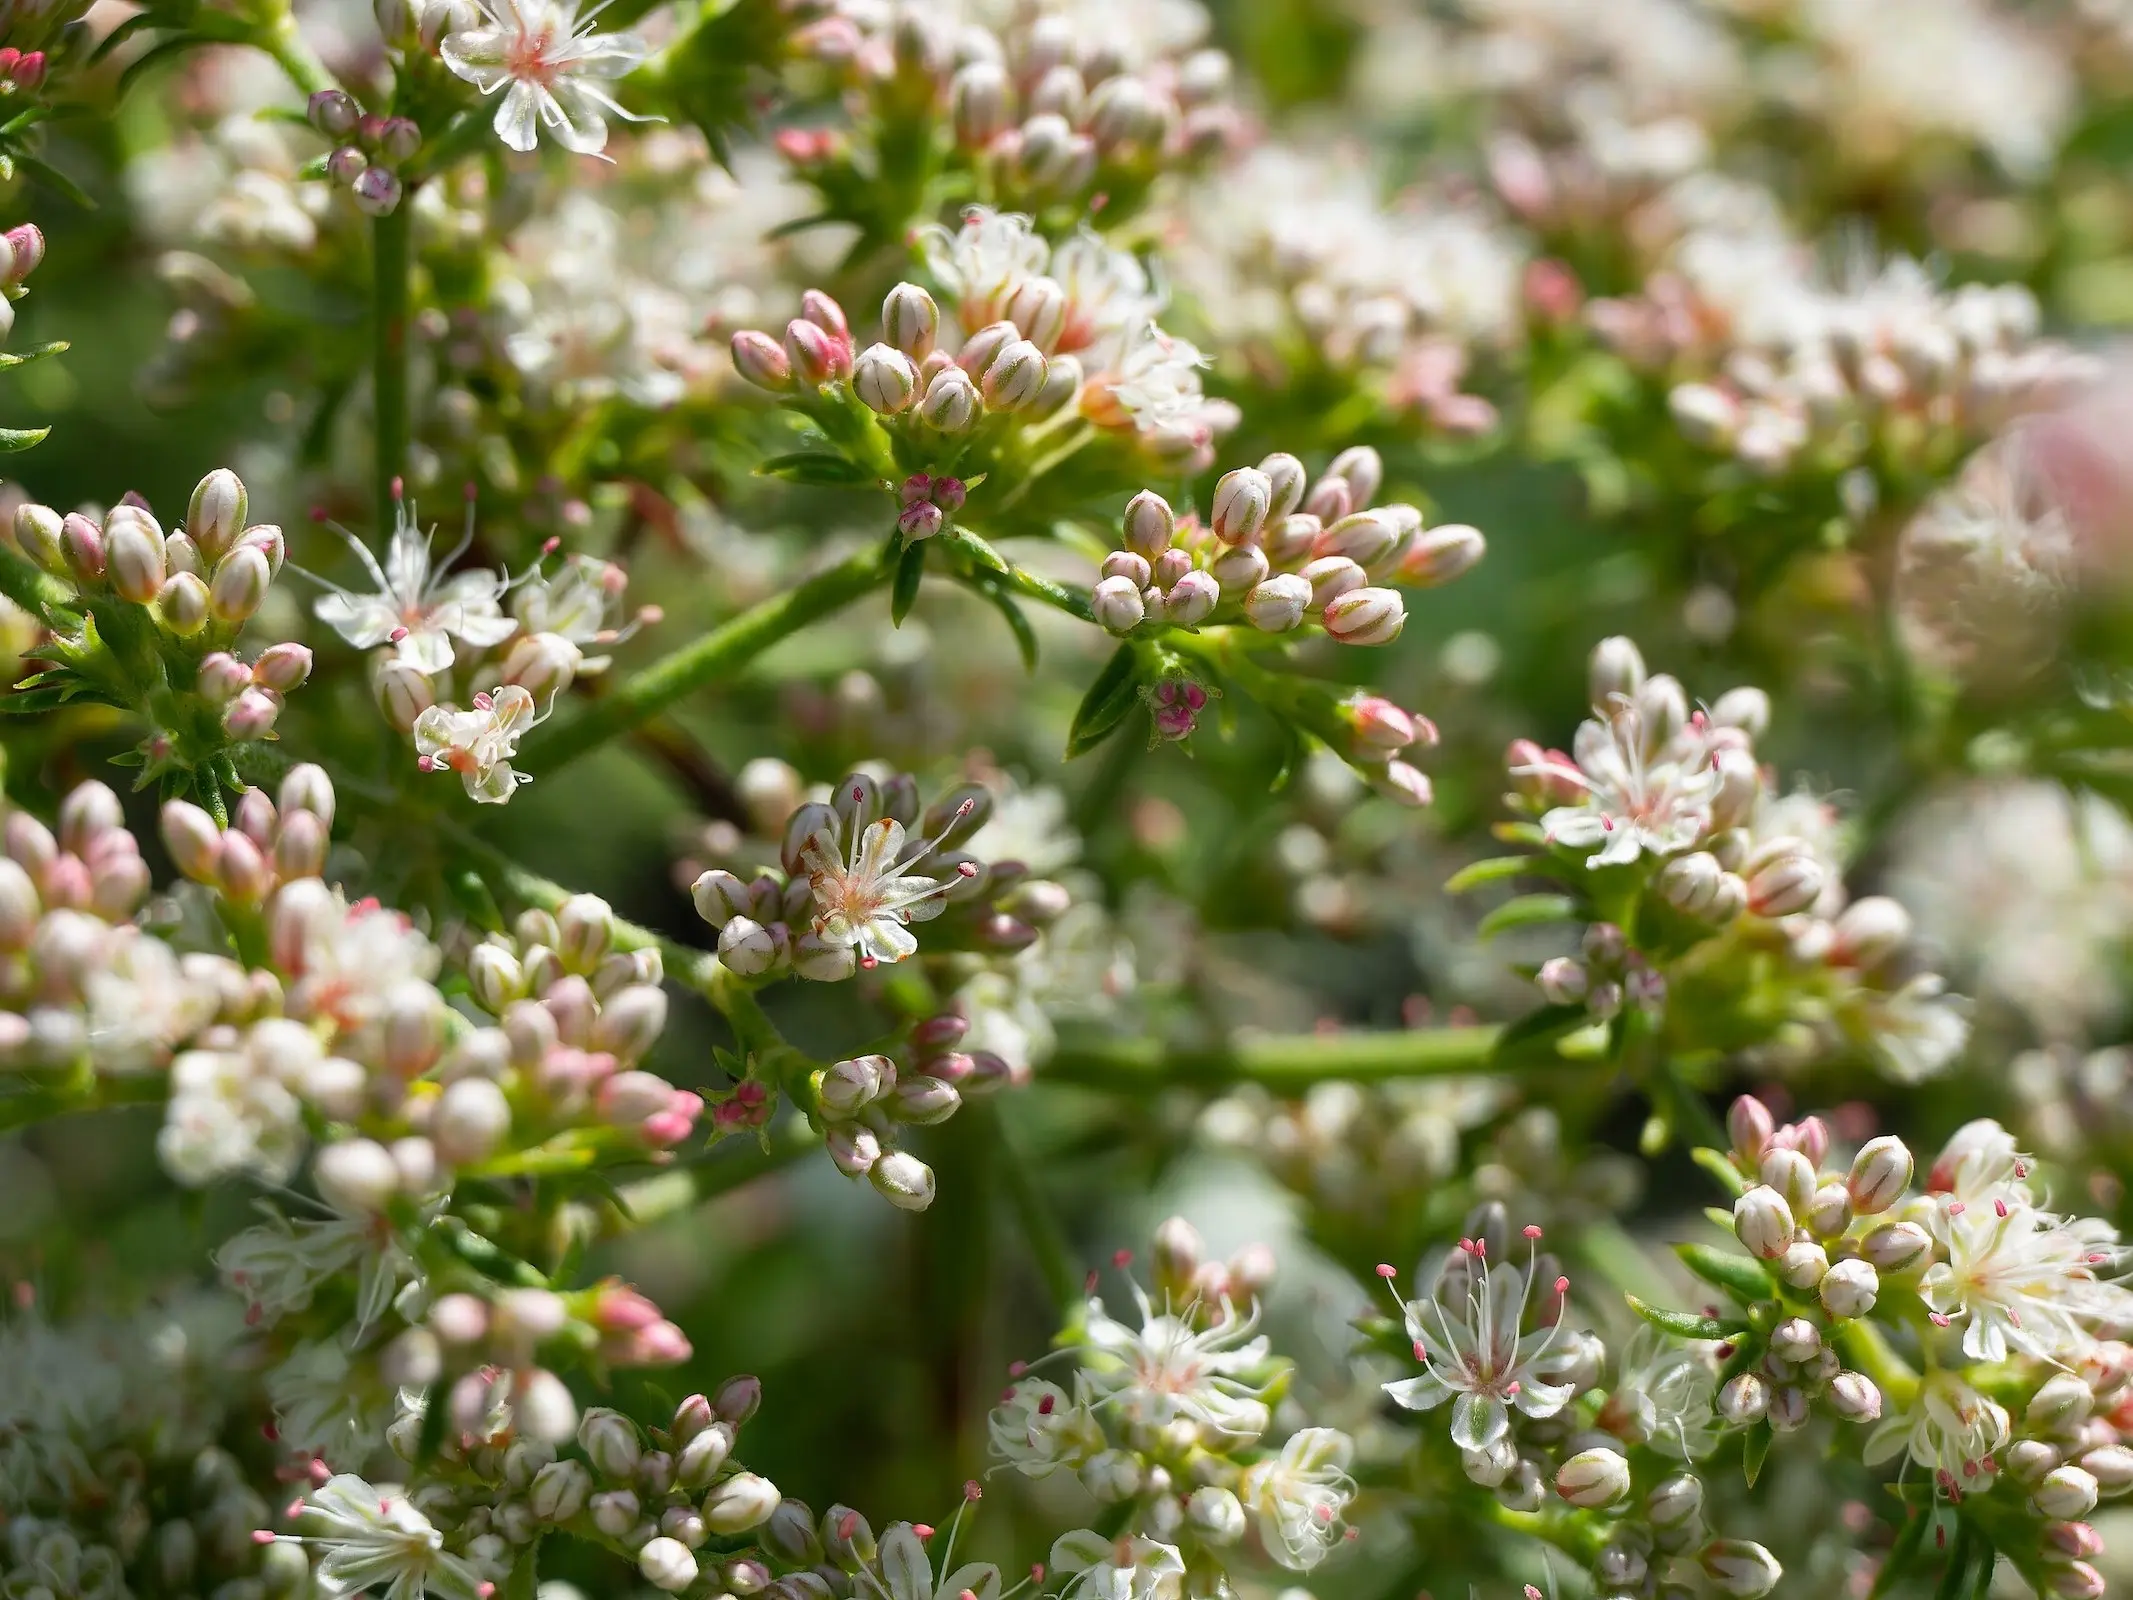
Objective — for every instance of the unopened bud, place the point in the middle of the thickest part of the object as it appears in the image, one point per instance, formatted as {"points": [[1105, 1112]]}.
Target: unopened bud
{"points": [[1850, 1288], [1441, 554], [910, 320], [1880, 1175], [1365, 617], [741, 1502], [1242, 499], [951, 402], [1744, 1400], [240, 584], [1279, 604], [1763, 1222], [903, 1180], [762, 360], [1015, 376], [1594, 1478], [884, 379]]}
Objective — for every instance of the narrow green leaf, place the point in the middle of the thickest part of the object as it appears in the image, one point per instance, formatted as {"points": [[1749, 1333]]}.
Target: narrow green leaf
{"points": [[1740, 1276], [903, 593], [817, 468], [1017, 624], [22, 358], [982, 554], [1527, 911], [1757, 1451], [13, 441], [1529, 1033], [1720, 1166], [1683, 1324], [1103, 710], [1497, 869]]}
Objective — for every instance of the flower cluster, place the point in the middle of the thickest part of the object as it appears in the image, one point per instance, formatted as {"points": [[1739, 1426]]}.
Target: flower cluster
{"points": [[1167, 1422], [167, 611], [1708, 892], [429, 626]]}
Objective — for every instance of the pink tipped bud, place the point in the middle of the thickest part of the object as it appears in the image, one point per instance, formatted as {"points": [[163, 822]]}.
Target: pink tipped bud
{"points": [[282, 667], [82, 543], [376, 191], [239, 586], [1242, 501], [884, 379], [951, 402], [1149, 525], [762, 360], [1441, 554], [1278, 604], [133, 553], [1015, 377], [910, 320], [222, 678], [826, 314], [816, 355], [1192, 599], [252, 714], [192, 839]]}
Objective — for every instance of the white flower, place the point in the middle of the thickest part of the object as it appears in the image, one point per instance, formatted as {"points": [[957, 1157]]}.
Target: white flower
{"points": [[277, 1267], [1037, 1429], [552, 64], [864, 902], [581, 603], [1169, 1368], [1665, 1392], [228, 1113], [1299, 1495], [984, 261], [479, 743], [374, 1541], [1467, 1336], [321, 1406], [347, 960], [1157, 383], [1126, 1568], [142, 1000], [2022, 1279], [1917, 1030], [906, 1571], [1950, 1431], [416, 607], [1643, 795], [1108, 292]]}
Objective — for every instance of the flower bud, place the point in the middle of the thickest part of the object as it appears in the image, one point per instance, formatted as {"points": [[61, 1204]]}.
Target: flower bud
{"points": [[133, 553], [1788, 884], [1897, 1247], [1850, 1288], [762, 360], [355, 1175], [1744, 1400], [81, 543], [1803, 1264], [2029, 1460], [470, 1121], [746, 948], [252, 714], [977, 103], [1149, 524], [884, 379], [282, 667], [1365, 537], [240, 584], [667, 1564], [847, 1086], [1278, 604], [1675, 1501], [1238, 569], [741, 1502], [910, 320], [1330, 577], [1015, 377], [2111, 1466], [560, 1491], [701, 1458], [333, 112], [1880, 1175], [191, 837], [37, 532], [1192, 599], [1617, 668], [376, 191], [847, 1539], [216, 513], [2062, 1401], [1117, 605], [1869, 931], [610, 1442], [1441, 554], [1594, 1478], [1215, 1514], [2077, 1580], [615, 1512], [1365, 617], [1242, 499], [2067, 1494], [403, 691], [903, 1180], [951, 402], [737, 1398], [1854, 1397]]}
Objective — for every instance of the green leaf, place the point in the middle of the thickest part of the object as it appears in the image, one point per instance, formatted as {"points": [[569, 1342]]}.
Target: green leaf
{"points": [[1740, 1276], [1527, 911], [15, 440], [1757, 1451], [1683, 1324], [1497, 869], [524, 1582], [1017, 624], [22, 358], [471, 890], [1111, 698], [903, 593], [982, 554], [818, 468], [1720, 1166]]}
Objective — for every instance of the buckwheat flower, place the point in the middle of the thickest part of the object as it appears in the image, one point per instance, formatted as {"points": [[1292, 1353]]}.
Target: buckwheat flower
{"points": [[865, 900], [1126, 1568], [1167, 1368], [346, 960], [2023, 1280], [1299, 1495], [581, 603], [142, 1002], [1643, 794], [417, 608], [323, 1406], [550, 66], [371, 1540], [478, 743], [983, 262], [1108, 293], [1665, 1393], [281, 1264], [904, 1571], [1917, 1030], [227, 1114], [1467, 1334], [1037, 1429], [1951, 1430]]}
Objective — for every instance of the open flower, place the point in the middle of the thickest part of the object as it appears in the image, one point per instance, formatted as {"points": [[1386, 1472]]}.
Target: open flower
{"points": [[864, 901], [1641, 795], [1951, 1430], [373, 1541], [1170, 1367], [1037, 1429], [1126, 1568], [906, 1572], [478, 744], [1299, 1495], [550, 67], [1467, 1334], [417, 608], [2023, 1280]]}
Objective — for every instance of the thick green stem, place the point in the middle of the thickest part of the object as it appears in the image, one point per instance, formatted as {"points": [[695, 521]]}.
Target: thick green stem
{"points": [[1283, 1063], [294, 57], [393, 259], [718, 654]]}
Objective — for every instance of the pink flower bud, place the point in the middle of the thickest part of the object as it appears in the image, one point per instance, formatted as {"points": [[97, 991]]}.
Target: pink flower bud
{"points": [[1149, 524], [1014, 377], [222, 678], [133, 553], [82, 543], [1442, 554], [300, 847], [1330, 577], [1397, 780], [951, 402], [1763, 1222], [1239, 569], [921, 521], [762, 360], [282, 667], [376, 190], [910, 320], [1191, 600], [1380, 727], [252, 714], [816, 355], [25, 241], [191, 837], [1242, 500]]}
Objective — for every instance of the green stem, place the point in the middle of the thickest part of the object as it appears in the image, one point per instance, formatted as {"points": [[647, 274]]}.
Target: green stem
{"points": [[1283, 1063], [391, 238], [1040, 1224], [1017, 580], [89, 1094], [717, 654], [294, 57], [730, 1166]]}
